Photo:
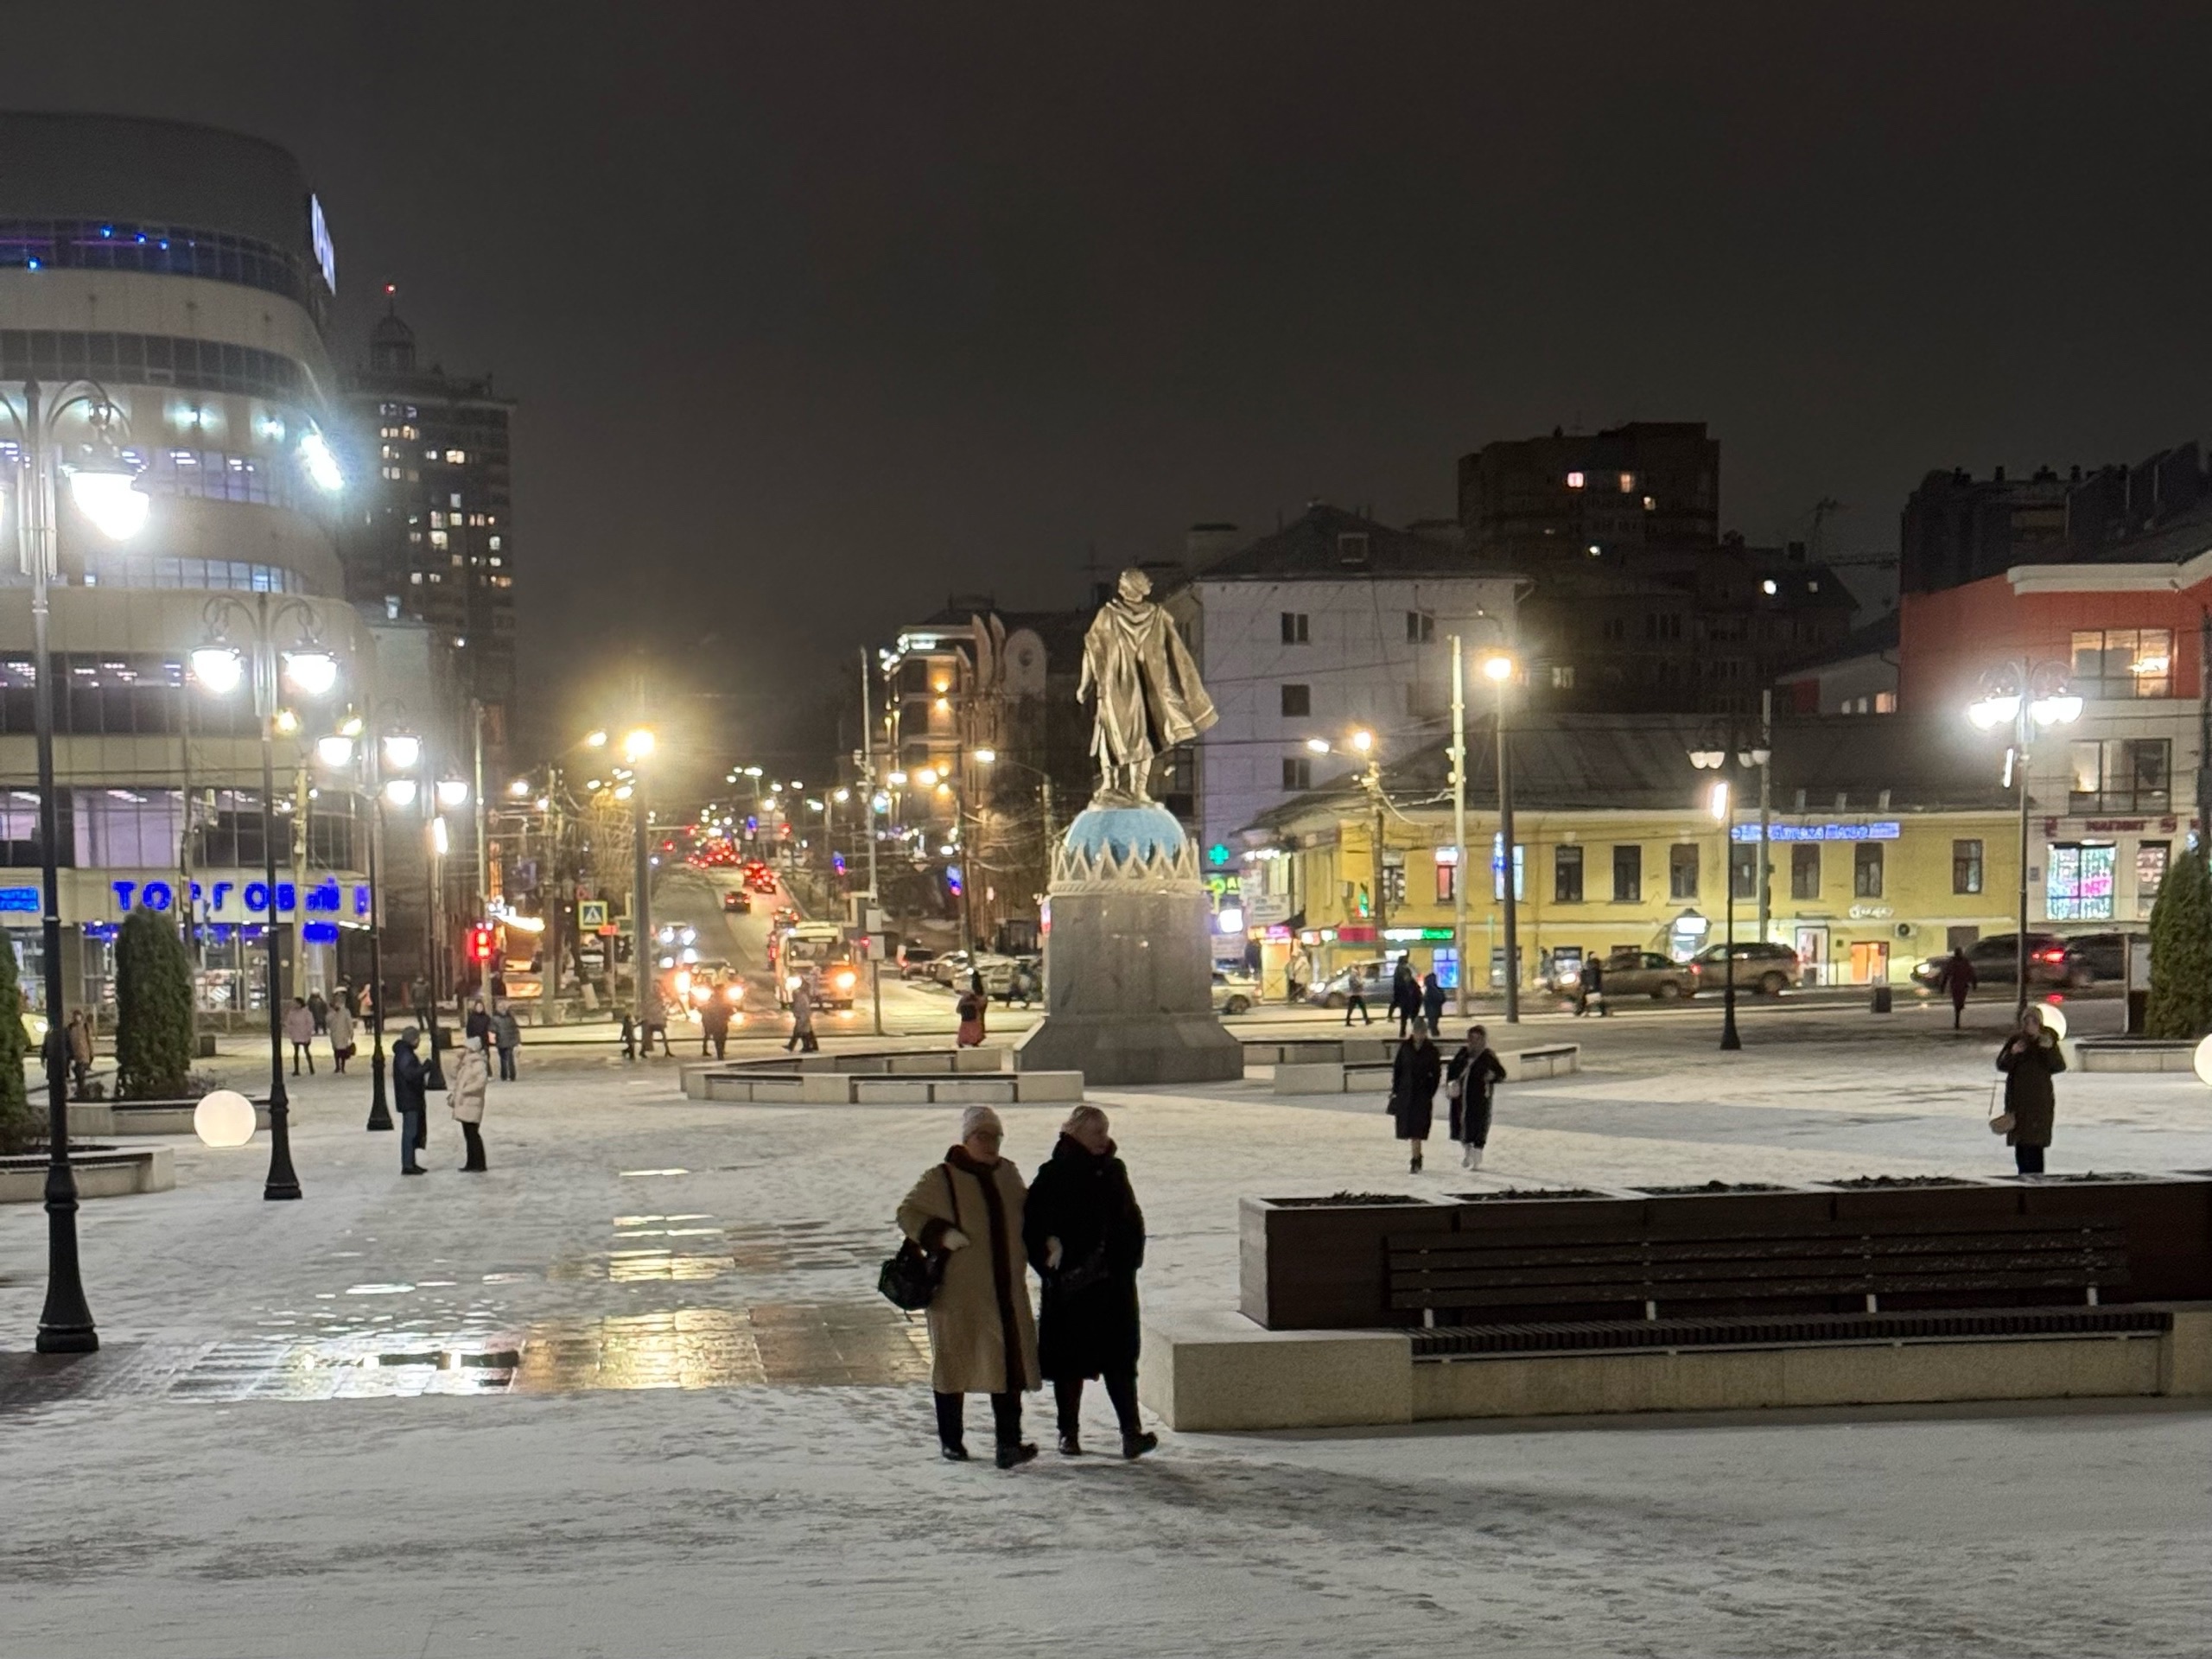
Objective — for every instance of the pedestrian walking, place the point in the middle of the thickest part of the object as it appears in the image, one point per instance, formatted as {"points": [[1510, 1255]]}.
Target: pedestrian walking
{"points": [[409, 1083], [320, 1009], [339, 1023], [1958, 978], [2029, 1060], [299, 1031], [1592, 984], [1475, 1071], [1085, 1236], [1405, 996], [656, 1025], [802, 1037], [983, 1336], [507, 1037], [1432, 1000], [80, 1037], [472, 1081], [1297, 975], [971, 1010], [1356, 997], [478, 1023], [713, 1023], [629, 1037], [1414, 1075]]}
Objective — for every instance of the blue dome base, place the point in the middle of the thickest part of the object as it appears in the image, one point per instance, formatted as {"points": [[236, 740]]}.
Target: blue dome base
{"points": [[1138, 833]]}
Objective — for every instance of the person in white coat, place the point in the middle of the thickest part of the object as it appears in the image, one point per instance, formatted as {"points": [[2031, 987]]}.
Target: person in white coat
{"points": [[340, 1024], [472, 1078]]}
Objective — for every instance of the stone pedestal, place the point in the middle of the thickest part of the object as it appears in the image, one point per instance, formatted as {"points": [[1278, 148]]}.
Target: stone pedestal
{"points": [[1129, 974]]}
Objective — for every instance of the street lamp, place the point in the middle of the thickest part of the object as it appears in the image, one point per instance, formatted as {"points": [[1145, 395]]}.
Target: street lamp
{"points": [[220, 666], [64, 1324], [1498, 668], [397, 751], [1720, 745], [2029, 696]]}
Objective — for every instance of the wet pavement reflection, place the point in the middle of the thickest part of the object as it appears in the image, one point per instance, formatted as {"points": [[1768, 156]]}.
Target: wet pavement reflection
{"points": [[769, 1345]]}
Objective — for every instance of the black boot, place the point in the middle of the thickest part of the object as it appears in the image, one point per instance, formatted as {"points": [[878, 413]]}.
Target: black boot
{"points": [[1070, 1444], [953, 1452], [1135, 1445], [1013, 1454]]}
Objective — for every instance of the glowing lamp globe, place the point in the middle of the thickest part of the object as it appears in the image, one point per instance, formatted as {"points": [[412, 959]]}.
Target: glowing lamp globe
{"points": [[224, 1119], [111, 499], [2054, 1019], [218, 668], [2202, 1062]]}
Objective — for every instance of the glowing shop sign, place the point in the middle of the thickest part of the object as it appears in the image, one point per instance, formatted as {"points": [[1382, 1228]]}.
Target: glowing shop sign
{"points": [[1885, 829]]}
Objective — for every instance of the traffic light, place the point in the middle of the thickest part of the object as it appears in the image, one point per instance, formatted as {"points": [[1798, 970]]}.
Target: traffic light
{"points": [[480, 945]]}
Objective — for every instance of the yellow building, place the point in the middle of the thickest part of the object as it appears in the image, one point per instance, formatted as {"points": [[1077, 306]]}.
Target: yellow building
{"points": [[1890, 841]]}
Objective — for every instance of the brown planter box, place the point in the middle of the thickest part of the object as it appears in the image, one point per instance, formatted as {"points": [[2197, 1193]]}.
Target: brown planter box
{"points": [[1321, 1267]]}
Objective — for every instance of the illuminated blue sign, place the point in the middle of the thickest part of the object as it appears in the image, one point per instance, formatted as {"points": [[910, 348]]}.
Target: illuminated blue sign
{"points": [[25, 899], [326, 251], [1886, 829]]}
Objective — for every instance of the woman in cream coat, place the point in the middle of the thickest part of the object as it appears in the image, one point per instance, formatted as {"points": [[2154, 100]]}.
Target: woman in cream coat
{"points": [[472, 1077], [983, 1336]]}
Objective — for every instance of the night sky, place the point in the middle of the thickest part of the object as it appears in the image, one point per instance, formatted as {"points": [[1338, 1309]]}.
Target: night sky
{"points": [[819, 312]]}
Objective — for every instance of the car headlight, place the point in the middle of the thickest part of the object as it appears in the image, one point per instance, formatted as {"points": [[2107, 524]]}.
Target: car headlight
{"points": [[844, 981], [734, 992]]}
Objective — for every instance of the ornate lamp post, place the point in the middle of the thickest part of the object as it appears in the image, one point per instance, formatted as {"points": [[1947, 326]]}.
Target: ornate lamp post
{"points": [[103, 488], [308, 668], [1724, 744], [2028, 697], [397, 751]]}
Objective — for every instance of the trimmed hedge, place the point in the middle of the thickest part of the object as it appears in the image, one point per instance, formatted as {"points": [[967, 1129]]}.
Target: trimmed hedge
{"points": [[153, 1010]]}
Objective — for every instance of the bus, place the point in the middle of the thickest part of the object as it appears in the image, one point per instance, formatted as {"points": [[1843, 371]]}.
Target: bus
{"points": [[815, 954]]}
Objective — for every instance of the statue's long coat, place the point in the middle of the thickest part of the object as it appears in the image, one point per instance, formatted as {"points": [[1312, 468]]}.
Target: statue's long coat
{"points": [[1149, 697]]}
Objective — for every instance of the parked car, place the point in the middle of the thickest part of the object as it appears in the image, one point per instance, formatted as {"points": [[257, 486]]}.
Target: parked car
{"points": [[950, 970], [2050, 962], [1762, 966], [1373, 979], [915, 960], [1646, 973], [2096, 956], [1233, 993]]}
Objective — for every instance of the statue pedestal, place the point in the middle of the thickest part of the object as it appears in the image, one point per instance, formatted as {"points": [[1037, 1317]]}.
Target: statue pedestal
{"points": [[1129, 977]]}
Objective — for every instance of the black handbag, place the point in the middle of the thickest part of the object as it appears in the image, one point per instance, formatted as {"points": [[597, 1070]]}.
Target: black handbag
{"points": [[910, 1279]]}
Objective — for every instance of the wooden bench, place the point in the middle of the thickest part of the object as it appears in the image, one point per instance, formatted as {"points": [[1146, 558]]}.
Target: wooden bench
{"points": [[1513, 1290]]}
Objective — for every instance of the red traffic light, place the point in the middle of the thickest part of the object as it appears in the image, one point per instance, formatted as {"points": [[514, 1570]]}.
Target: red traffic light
{"points": [[480, 945]]}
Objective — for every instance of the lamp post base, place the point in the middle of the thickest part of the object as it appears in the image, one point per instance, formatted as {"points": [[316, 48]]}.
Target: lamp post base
{"points": [[65, 1325], [282, 1182], [379, 1108]]}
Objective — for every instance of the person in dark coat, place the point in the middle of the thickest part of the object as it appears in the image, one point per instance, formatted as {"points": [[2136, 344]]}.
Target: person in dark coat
{"points": [[1474, 1073], [478, 1025], [320, 1009], [1405, 996], [408, 1077], [1084, 1235], [1413, 1078], [2029, 1060], [1432, 1000], [1592, 985], [1958, 978]]}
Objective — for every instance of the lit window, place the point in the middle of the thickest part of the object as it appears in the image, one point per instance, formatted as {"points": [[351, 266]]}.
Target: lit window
{"points": [[1768, 587], [1649, 504], [437, 521], [455, 457], [1628, 483], [437, 539], [495, 561], [429, 454], [494, 543], [416, 577], [1574, 480], [1886, 702]]}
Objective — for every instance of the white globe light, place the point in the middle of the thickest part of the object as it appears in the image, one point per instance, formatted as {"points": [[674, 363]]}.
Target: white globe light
{"points": [[225, 1118], [112, 501], [334, 751], [2054, 1019], [312, 672], [402, 750], [218, 668], [2202, 1062], [453, 791], [400, 791]]}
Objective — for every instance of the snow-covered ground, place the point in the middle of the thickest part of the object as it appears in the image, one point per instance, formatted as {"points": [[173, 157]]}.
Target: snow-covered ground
{"points": [[631, 1393]]}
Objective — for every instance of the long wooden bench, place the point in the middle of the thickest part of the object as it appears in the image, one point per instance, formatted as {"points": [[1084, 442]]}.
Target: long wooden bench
{"points": [[1523, 1290]]}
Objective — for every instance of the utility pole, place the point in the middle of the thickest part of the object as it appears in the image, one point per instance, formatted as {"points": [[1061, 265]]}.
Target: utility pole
{"points": [[483, 812], [1507, 867], [867, 765], [1766, 815], [1459, 818]]}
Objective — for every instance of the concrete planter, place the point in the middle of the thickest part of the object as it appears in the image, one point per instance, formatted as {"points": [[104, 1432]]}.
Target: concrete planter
{"points": [[105, 1117], [2133, 1054], [1322, 1267], [102, 1172]]}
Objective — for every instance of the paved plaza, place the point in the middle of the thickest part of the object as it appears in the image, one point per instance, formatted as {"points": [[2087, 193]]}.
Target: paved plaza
{"points": [[632, 1392]]}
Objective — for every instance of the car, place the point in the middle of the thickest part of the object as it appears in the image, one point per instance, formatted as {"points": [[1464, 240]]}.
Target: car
{"points": [[1373, 979], [1234, 992], [914, 961], [2101, 955], [1994, 961], [1646, 973], [737, 902], [1762, 967], [950, 970]]}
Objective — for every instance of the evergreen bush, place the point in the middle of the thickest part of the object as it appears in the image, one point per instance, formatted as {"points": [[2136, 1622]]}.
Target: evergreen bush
{"points": [[2180, 1003], [153, 1010], [22, 1127]]}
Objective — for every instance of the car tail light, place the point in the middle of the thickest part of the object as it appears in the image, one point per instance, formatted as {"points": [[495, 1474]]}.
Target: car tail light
{"points": [[2053, 955]]}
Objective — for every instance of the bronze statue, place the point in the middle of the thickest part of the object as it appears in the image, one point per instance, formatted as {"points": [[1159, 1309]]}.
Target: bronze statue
{"points": [[1150, 698]]}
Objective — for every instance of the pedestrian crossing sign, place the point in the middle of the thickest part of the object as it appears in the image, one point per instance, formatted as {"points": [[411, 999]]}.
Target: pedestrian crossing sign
{"points": [[591, 915]]}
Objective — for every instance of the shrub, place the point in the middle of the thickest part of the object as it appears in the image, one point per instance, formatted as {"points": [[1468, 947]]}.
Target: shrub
{"points": [[153, 1010], [2180, 1003], [21, 1127]]}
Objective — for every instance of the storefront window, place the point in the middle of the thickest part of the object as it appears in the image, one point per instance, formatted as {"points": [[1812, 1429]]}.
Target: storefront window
{"points": [[2079, 887], [2151, 858]]}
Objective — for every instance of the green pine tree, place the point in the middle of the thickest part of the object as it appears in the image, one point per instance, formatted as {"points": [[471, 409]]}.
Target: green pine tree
{"points": [[2180, 1003], [21, 1129], [153, 1010]]}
